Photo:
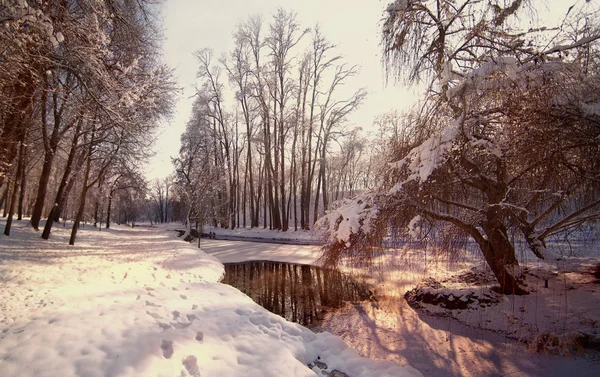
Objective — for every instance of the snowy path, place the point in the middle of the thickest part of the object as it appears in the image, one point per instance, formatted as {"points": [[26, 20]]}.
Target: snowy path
{"points": [[139, 302]]}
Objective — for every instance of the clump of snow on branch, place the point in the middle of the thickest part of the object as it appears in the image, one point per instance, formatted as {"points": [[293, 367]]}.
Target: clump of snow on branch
{"points": [[398, 6], [19, 15], [421, 161], [414, 229], [350, 217], [491, 75]]}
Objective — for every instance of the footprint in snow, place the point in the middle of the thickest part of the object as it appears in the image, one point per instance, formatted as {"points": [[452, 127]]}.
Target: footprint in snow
{"points": [[148, 303], [176, 314], [154, 315], [184, 297], [191, 365], [167, 348], [200, 336], [243, 312], [180, 326]]}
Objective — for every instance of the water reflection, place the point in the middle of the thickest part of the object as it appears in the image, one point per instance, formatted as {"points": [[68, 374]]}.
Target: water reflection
{"points": [[297, 292]]}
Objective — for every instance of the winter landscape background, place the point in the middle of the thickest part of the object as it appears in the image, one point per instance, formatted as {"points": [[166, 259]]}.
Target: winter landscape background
{"points": [[404, 188]]}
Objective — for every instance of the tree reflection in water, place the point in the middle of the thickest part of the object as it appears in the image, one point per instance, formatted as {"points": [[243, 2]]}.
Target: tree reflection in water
{"points": [[297, 292]]}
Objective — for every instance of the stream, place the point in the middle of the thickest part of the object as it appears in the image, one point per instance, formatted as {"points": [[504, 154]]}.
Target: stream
{"points": [[384, 329], [298, 292]]}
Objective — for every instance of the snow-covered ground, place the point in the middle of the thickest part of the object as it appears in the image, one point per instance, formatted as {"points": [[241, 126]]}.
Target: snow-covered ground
{"points": [[240, 251], [297, 237], [130, 302], [480, 340], [140, 302]]}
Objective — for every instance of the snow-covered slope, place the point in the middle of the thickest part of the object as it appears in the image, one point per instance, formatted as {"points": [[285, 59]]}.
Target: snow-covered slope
{"points": [[140, 302]]}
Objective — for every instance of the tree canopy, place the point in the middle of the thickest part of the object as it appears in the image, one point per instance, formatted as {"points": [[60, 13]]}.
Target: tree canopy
{"points": [[515, 148]]}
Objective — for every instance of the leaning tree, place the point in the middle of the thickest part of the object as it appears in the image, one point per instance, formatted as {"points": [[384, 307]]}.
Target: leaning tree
{"points": [[517, 148]]}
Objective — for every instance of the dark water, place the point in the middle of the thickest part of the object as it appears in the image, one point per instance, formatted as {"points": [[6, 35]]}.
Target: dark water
{"points": [[299, 293]]}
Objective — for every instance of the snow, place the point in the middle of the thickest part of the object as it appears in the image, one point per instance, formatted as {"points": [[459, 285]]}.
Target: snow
{"points": [[139, 301], [490, 75], [398, 6], [300, 236], [422, 161], [414, 230], [492, 340], [580, 42], [131, 302], [229, 251], [350, 216]]}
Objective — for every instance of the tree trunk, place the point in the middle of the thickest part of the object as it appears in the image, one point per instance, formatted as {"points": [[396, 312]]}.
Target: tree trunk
{"points": [[16, 119], [54, 214], [316, 210], [108, 208], [96, 208], [13, 197], [50, 146], [166, 202], [36, 215], [84, 190], [11, 209], [3, 201], [188, 225], [500, 256], [23, 182], [323, 176], [497, 258]]}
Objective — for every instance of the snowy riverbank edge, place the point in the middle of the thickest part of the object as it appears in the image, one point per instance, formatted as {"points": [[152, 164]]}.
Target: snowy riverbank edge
{"points": [[299, 237], [130, 302]]}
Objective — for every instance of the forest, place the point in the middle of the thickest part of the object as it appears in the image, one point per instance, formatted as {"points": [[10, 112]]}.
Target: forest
{"points": [[502, 146], [201, 188], [83, 89], [267, 143]]}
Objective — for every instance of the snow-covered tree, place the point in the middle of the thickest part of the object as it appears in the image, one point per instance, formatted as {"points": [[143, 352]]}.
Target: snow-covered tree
{"points": [[517, 151], [196, 170], [82, 75]]}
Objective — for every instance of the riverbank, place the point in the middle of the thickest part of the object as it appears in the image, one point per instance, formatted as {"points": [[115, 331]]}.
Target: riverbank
{"points": [[299, 237], [515, 335], [130, 302]]}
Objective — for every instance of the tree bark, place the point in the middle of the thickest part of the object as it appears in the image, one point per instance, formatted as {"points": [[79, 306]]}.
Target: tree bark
{"points": [[3, 199], [23, 182], [499, 254], [50, 147], [64, 183], [18, 117], [11, 209], [84, 189], [13, 197]]}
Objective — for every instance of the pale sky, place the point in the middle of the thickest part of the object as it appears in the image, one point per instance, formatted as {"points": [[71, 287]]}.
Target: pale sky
{"points": [[352, 25]]}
